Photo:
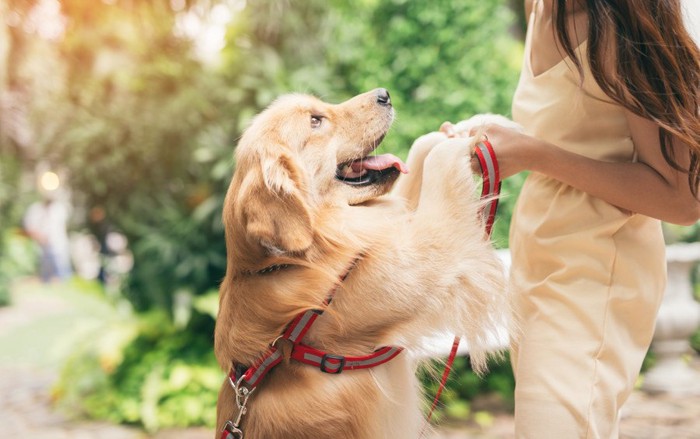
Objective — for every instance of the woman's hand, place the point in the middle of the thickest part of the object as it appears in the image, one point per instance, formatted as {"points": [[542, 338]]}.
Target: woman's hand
{"points": [[513, 149], [649, 185]]}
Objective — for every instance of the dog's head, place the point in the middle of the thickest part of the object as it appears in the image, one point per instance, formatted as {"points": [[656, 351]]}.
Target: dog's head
{"points": [[302, 154]]}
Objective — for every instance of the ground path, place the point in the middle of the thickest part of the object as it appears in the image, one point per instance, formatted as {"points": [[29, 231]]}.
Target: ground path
{"points": [[31, 351]]}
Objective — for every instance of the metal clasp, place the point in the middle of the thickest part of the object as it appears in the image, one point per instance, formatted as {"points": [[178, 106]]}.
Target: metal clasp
{"points": [[232, 428]]}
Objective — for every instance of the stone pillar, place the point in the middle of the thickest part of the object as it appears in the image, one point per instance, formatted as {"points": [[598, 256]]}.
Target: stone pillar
{"points": [[678, 319]]}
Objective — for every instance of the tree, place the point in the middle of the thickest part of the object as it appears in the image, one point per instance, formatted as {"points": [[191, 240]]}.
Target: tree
{"points": [[135, 124]]}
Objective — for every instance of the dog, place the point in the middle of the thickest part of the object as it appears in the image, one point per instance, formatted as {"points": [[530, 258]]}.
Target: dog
{"points": [[309, 203]]}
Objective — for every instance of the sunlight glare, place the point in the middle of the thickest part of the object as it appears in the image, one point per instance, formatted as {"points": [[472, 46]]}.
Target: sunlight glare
{"points": [[49, 181], [45, 20]]}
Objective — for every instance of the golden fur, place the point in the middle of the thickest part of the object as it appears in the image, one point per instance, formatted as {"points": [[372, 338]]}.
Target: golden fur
{"points": [[425, 266]]}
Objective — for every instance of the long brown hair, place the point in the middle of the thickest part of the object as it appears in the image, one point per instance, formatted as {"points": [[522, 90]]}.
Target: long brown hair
{"points": [[656, 73]]}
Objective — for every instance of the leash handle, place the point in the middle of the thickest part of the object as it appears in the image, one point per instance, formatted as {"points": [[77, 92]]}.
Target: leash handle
{"points": [[491, 188], [490, 191]]}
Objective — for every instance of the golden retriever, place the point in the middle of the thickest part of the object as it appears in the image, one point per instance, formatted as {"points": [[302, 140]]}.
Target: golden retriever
{"points": [[308, 200]]}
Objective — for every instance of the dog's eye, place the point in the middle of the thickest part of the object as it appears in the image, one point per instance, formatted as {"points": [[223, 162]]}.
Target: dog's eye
{"points": [[316, 121]]}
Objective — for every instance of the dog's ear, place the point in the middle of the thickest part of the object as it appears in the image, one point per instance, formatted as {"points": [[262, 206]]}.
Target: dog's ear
{"points": [[275, 210]]}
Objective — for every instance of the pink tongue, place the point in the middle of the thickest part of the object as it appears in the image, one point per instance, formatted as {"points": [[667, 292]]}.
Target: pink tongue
{"points": [[379, 162]]}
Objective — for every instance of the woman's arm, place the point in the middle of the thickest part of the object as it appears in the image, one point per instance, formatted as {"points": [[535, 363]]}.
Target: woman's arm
{"points": [[649, 186]]}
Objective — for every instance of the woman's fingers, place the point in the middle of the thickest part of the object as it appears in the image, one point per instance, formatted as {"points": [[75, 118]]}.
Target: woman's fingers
{"points": [[448, 129]]}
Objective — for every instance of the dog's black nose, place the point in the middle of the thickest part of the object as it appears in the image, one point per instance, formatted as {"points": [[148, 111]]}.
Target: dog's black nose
{"points": [[383, 97]]}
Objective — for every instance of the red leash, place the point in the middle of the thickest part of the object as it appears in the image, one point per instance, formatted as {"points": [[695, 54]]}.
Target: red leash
{"points": [[492, 181], [490, 191]]}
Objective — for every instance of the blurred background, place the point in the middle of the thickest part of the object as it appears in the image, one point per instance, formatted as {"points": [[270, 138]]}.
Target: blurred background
{"points": [[118, 120]]}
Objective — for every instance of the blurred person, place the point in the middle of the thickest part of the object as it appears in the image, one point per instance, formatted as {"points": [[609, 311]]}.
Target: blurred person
{"points": [[608, 98], [46, 223], [100, 228]]}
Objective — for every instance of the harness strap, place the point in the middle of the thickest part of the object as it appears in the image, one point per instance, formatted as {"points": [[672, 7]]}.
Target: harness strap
{"points": [[335, 364], [295, 332], [326, 362], [245, 380]]}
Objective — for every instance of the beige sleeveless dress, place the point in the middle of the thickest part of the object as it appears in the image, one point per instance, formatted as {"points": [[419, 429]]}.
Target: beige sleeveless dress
{"points": [[588, 277]]}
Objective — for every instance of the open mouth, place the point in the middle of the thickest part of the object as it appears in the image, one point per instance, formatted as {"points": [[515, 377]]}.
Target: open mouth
{"points": [[370, 170]]}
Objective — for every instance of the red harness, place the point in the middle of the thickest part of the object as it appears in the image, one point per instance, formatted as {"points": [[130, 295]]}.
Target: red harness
{"points": [[245, 380]]}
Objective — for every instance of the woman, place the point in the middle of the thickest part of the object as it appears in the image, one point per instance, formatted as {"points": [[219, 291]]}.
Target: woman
{"points": [[608, 97]]}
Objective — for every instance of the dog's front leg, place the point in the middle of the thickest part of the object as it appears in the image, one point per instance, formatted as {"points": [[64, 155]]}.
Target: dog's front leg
{"points": [[448, 186], [466, 275], [408, 186]]}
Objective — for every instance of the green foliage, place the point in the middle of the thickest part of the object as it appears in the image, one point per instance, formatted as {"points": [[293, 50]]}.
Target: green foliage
{"points": [[10, 175], [18, 257], [10, 218], [142, 135], [4, 289], [465, 385], [695, 341], [440, 60], [276, 48], [674, 233], [145, 372]]}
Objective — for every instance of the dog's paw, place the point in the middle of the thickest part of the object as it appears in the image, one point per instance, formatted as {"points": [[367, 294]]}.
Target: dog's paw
{"points": [[450, 161]]}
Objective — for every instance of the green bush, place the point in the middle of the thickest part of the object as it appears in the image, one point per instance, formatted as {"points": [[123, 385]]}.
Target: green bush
{"points": [[144, 372], [13, 260], [695, 341], [464, 386], [19, 257]]}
